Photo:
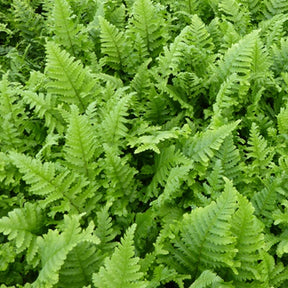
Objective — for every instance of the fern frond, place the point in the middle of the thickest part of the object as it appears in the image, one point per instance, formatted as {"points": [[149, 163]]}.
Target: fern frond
{"points": [[238, 59], [235, 13], [23, 225], [282, 120], [54, 248], [27, 21], [68, 79], [205, 145], [80, 144], [121, 180], [258, 149], [274, 7], [205, 240], [104, 230], [81, 262], [164, 162], [206, 279], [66, 186], [273, 29], [44, 107], [113, 45], [148, 23], [113, 126], [279, 56], [265, 200], [122, 269], [250, 241], [230, 158]]}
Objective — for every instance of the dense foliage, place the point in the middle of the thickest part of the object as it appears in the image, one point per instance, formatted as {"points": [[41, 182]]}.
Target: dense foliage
{"points": [[144, 143]]}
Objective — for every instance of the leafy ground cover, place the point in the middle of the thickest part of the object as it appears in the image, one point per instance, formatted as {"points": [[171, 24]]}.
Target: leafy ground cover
{"points": [[143, 143]]}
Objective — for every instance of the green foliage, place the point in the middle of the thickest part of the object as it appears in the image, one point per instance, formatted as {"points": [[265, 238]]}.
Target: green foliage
{"points": [[122, 269], [143, 143]]}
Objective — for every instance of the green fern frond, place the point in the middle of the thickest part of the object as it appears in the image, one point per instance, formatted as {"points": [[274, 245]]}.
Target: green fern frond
{"points": [[23, 225], [205, 145], [29, 23], [258, 149], [205, 240], [282, 120], [273, 29], [215, 180], [236, 14], [81, 262], [121, 182], [208, 279], [44, 107], [279, 56], [273, 275], [230, 158], [67, 32], [238, 59], [66, 186], [54, 248], [113, 126], [274, 7], [67, 78], [164, 162], [176, 177], [80, 144], [250, 241], [104, 230], [113, 45], [148, 23], [122, 269], [150, 142], [265, 200]]}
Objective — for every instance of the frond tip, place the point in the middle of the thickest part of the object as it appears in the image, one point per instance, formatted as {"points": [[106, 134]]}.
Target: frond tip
{"points": [[122, 269]]}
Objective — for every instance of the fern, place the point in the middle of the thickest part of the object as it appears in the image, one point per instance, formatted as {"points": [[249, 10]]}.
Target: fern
{"points": [[65, 187], [112, 45], [54, 248], [208, 279], [69, 81], [121, 181], [80, 264], [67, 32], [250, 241], [113, 126], [258, 149], [205, 145], [23, 225], [205, 239], [148, 24], [274, 7], [80, 145], [122, 269]]}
